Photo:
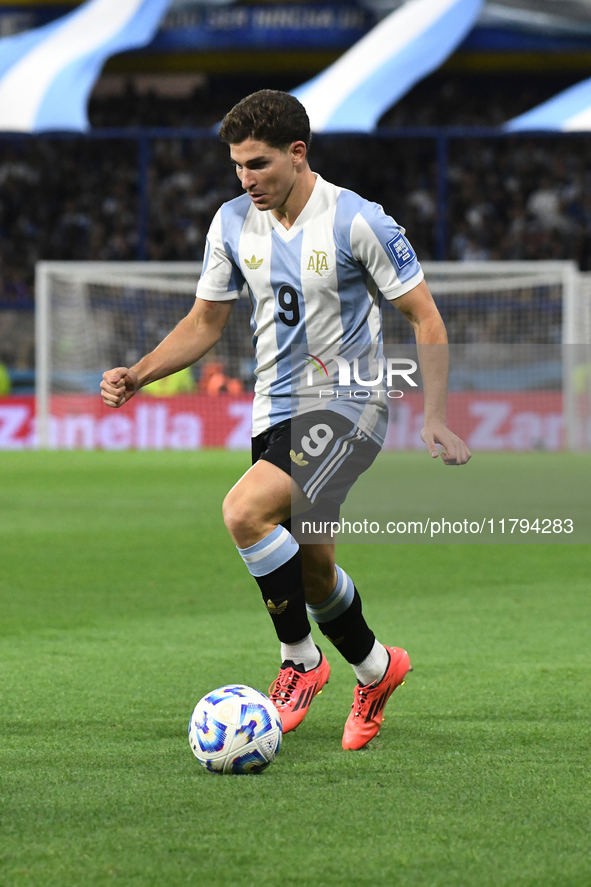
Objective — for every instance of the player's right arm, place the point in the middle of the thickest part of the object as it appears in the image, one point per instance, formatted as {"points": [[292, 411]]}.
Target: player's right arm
{"points": [[193, 337], [218, 288]]}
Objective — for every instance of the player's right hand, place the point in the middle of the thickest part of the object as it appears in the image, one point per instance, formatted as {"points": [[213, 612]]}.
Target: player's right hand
{"points": [[118, 386]]}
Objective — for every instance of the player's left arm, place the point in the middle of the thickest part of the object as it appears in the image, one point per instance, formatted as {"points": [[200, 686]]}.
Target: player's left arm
{"points": [[379, 244], [418, 307]]}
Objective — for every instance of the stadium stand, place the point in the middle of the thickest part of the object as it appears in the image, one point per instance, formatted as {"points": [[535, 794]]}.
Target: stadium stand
{"points": [[508, 198], [124, 191]]}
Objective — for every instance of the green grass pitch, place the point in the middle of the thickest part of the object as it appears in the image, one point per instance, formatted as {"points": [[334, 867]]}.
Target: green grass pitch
{"points": [[122, 601]]}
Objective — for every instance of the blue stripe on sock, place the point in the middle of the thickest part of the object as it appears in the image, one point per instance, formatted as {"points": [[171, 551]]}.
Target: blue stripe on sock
{"points": [[270, 553], [339, 601]]}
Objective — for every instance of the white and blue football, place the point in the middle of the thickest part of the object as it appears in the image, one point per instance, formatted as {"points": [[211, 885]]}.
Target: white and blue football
{"points": [[235, 729]]}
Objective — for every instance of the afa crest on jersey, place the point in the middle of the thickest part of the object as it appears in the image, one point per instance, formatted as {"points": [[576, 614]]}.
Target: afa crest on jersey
{"points": [[316, 264]]}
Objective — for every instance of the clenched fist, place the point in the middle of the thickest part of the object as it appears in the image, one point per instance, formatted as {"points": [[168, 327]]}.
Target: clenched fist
{"points": [[118, 386]]}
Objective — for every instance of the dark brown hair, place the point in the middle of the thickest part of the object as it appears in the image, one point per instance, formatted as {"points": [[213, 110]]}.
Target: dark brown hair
{"points": [[270, 116]]}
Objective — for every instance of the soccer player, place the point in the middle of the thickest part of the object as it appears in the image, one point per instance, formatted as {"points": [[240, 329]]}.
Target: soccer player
{"points": [[317, 260]]}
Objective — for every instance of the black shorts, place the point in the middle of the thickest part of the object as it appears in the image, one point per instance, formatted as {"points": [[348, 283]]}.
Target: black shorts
{"points": [[323, 452]]}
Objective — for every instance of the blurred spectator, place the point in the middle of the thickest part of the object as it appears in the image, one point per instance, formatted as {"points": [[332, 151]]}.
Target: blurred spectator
{"points": [[179, 383], [520, 198], [4, 381], [17, 345], [214, 380], [545, 207]]}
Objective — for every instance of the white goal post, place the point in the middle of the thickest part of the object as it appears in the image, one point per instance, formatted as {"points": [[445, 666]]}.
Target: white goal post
{"points": [[68, 283], [94, 315]]}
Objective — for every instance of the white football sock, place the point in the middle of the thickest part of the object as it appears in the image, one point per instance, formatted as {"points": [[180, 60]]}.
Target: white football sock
{"points": [[373, 668], [304, 653]]}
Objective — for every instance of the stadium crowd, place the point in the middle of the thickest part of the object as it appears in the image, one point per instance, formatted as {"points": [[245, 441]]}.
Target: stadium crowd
{"points": [[442, 99], [77, 198]]}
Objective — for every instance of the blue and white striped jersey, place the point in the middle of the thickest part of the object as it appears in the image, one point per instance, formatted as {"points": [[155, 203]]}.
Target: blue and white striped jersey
{"points": [[314, 288]]}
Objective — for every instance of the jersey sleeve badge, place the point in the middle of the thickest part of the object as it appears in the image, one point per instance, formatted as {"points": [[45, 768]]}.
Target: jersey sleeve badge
{"points": [[401, 250]]}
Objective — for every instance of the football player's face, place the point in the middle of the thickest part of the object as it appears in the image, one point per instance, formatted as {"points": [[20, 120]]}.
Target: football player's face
{"points": [[267, 174]]}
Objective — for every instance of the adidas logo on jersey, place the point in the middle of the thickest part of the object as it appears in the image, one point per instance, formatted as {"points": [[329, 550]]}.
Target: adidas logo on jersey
{"points": [[298, 458], [254, 263]]}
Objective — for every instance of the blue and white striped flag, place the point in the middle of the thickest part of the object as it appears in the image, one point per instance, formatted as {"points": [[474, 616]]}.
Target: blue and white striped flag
{"points": [[569, 111], [415, 39], [47, 74]]}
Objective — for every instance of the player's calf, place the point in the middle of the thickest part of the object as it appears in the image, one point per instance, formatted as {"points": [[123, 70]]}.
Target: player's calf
{"points": [[340, 619]]}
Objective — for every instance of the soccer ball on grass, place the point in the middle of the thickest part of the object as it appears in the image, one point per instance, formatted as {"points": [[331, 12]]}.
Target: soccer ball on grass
{"points": [[235, 729]]}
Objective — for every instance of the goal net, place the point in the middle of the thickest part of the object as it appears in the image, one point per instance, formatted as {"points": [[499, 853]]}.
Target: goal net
{"points": [[520, 358]]}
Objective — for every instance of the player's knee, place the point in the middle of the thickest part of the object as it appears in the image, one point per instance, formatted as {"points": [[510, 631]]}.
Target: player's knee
{"points": [[239, 517], [233, 513]]}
